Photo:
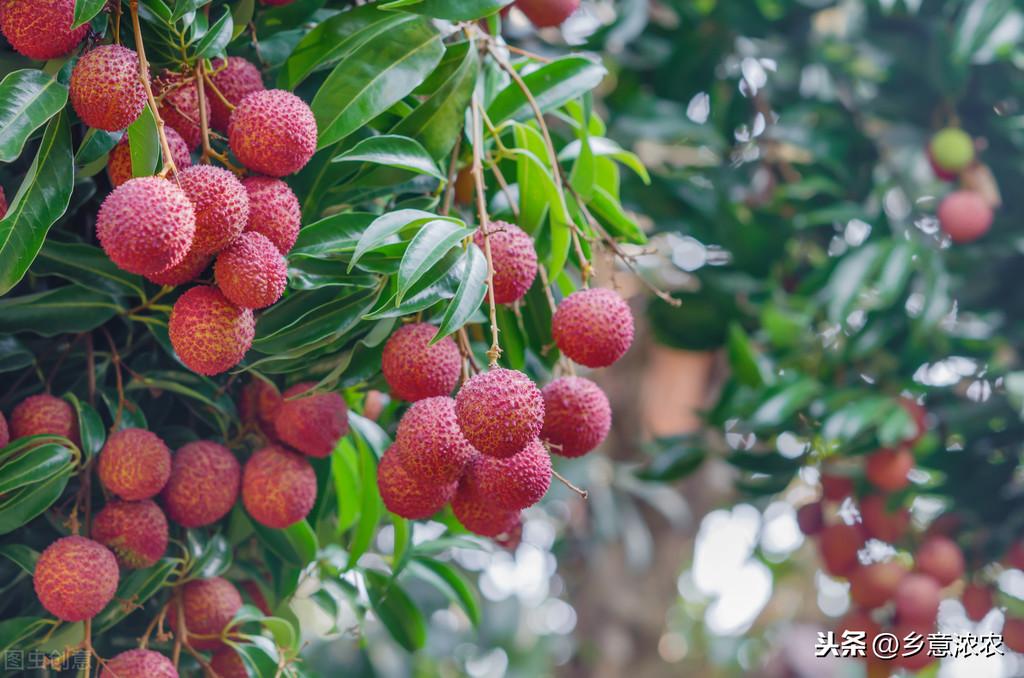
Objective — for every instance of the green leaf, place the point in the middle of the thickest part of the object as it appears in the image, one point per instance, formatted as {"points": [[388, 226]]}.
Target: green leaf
{"points": [[85, 10], [426, 249], [371, 507], [13, 354], [66, 309], [448, 580], [241, 15], [295, 544], [552, 85], [345, 474], [472, 290], [604, 147], [608, 210], [451, 10], [743, 358], [90, 426], [396, 611], [393, 151], [18, 632], [209, 557], [403, 543], [783, 402], [22, 556], [144, 144], [88, 266], [850, 279], [45, 461], [333, 235], [384, 229], [96, 144], [217, 38], [677, 461], [26, 503], [28, 98], [136, 586]]}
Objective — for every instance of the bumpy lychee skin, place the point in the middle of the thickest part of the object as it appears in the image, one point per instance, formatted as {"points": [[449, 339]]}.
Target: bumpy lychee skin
{"points": [[839, 546], [593, 327], [515, 260], [311, 424], [500, 411], [75, 578], [888, 469], [41, 29], [179, 107], [146, 225], [577, 416], [274, 211], [105, 89], [251, 272], [5, 432], [44, 414], [209, 333], [278, 487], [136, 531], [547, 13], [220, 202], [430, 444], [235, 79], [134, 464], [119, 163], [273, 132], [258, 405], [204, 484], [415, 369], [186, 270], [952, 149], [965, 216], [407, 495], [515, 482], [228, 664], [941, 558], [480, 515], [139, 664], [209, 605]]}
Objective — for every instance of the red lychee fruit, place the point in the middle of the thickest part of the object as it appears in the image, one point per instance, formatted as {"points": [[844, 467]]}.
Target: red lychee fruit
{"points": [[839, 545], [227, 663], [208, 605], [220, 202], [3, 203], [278, 487], [429, 444], [312, 424], [373, 404], [251, 272], [512, 483], [856, 621], [514, 258], [951, 150], [917, 599], [106, 91], [920, 417], [880, 522], [44, 414], [5, 433], [547, 13], [835, 488], [75, 578], [134, 464], [977, 601], [511, 539], [258, 405], [204, 483], [914, 661], [187, 270], [1013, 634], [41, 29], [577, 416], [273, 132], [465, 187], [965, 216], [873, 585], [210, 334], [940, 558], [274, 211], [139, 664], [119, 163], [480, 515], [593, 327], [415, 369], [234, 79], [255, 595], [500, 411], [408, 495], [939, 172], [887, 469], [136, 531], [146, 225], [810, 518], [1014, 555], [179, 106]]}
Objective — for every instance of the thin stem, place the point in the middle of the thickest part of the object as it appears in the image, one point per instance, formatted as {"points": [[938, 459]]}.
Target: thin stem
{"points": [[547, 288], [496, 171], [140, 49], [565, 481], [449, 189], [494, 352], [115, 358], [204, 123]]}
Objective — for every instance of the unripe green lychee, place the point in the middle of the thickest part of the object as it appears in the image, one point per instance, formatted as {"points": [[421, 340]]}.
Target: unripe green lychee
{"points": [[227, 663], [208, 605], [41, 29], [839, 545], [75, 578], [593, 327], [887, 469], [186, 270], [146, 225], [941, 558], [234, 79], [179, 106], [880, 522], [480, 515], [500, 411], [134, 464], [515, 260], [977, 600], [415, 369], [917, 599], [251, 272], [429, 444], [547, 13], [965, 216], [512, 483], [139, 664], [873, 585], [577, 416], [204, 483], [258, 405], [5, 433], [407, 495], [136, 531], [105, 90], [952, 149], [278, 487], [210, 334], [44, 414], [220, 202], [312, 424], [119, 163], [274, 211], [810, 518], [273, 132]]}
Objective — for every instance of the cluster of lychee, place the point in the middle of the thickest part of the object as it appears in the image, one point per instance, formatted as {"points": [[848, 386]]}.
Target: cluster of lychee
{"points": [[965, 215]]}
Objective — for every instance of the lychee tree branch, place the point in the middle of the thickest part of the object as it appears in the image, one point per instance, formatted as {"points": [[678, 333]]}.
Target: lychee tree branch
{"points": [[140, 50], [204, 124], [494, 352]]}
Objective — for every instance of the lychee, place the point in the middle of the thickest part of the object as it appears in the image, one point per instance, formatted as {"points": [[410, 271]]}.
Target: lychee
{"points": [[3, 203], [227, 663], [480, 515], [208, 606], [887, 469], [234, 79], [1014, 555], [134, 464], [941, 558], [952, 150], [251, 272], [373, 404], [278, 487], [136, 531], [119, 163], [512, 483], [547, 13], [593, 327], [273, 132], [839, 545], [106, 91], [274, 211], [873, 585], [857, 621], [75, 578], [465, 187], [5, 433], [186, 270], [255, 595], [146, 225], [139, 664], [882, 523], [258, 405], [514, 258], [415, 369], [204, 484], [835, 487], [1013, 634], [179, 106], [312, 424], [44, 414], [210, 334], [430, 444], [977, 601], [810, 518], [577, 416], [220, 202], [965, 216], [41, 29], [500, 411], [917, 599], [511, 538], [408, 495], [914, 662]]}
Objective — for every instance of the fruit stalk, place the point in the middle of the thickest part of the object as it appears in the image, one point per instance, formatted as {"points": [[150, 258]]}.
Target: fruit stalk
{"points": [[140, 49], [494, 352]]}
